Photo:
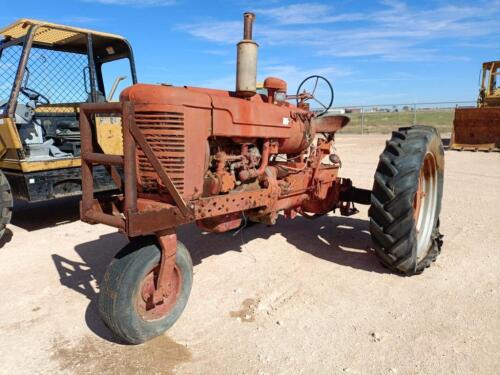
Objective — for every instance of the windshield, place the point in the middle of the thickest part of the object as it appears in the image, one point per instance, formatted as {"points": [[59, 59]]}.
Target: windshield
{"points": [[62, 77], [9, 60], [495, 81]]}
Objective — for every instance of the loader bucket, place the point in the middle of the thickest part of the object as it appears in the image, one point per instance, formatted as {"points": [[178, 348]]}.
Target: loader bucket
{"points": [[476, 129]]}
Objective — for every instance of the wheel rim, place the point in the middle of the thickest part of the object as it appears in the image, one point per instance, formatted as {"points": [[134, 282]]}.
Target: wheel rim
{"points": [[149, 310], [424, 205]]}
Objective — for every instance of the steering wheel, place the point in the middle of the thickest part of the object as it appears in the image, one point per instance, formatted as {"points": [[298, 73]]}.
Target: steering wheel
{"points": [[304, 96], [35, 96]]}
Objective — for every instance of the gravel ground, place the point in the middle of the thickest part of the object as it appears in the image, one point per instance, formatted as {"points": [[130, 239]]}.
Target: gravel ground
{"points": [[300, 297]]}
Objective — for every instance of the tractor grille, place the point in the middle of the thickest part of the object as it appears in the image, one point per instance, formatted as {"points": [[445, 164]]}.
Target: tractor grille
{"points": [[164, 132]]}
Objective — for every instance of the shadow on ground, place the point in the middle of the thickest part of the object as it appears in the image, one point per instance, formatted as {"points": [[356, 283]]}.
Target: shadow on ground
{"points": [[35, 216], [345, 241]]}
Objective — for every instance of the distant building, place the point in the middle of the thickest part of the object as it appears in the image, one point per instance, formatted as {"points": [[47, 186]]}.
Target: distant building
{"points": [[353, 110], [337, 111]]}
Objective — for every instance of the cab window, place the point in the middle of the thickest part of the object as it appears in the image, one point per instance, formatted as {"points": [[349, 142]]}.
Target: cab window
{"points": [[113, 70], [62, 77], [9, 61]]}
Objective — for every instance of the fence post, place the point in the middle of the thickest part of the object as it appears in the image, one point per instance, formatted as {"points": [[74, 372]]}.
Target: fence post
{"points": [[362, 120], [414, 113]]}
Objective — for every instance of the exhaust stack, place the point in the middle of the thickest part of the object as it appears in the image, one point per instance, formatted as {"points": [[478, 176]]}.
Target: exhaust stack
{"points": [[246, 65]]}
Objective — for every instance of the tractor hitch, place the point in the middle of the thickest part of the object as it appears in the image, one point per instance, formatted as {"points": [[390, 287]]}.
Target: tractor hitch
{"points": [[356, 195]]}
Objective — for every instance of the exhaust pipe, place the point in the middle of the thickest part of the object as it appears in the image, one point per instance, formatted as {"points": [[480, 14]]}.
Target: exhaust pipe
{"points": [[246, 65]]}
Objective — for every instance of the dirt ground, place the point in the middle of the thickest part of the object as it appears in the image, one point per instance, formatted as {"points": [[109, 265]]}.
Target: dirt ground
{"points": [[300, 297]]}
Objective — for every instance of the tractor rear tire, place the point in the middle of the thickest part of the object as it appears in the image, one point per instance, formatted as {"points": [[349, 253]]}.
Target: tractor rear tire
{"points": [[6, 203], [129, 276], [406, 200]]}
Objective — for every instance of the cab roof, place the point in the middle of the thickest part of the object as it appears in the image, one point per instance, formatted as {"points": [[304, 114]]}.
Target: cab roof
{"points": [[63, 37], [490, 63]]}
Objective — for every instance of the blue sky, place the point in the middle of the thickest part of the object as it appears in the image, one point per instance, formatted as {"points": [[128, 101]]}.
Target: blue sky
{"points": [[373, 51]]}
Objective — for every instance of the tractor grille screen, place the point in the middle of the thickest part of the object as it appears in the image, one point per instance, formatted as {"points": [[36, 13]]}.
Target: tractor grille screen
{"points": [[62, 77], [164, 132]]}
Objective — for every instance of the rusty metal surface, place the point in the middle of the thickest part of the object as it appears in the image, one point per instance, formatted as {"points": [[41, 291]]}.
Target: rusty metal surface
{"points": [[165, 134], [158, 168], [153, 159], [248, 19], [129, 159], [273, 83], [151, 309], [221, 224], [476, 129], [209, 156], [95, 158], [151, 218], [89, 211], [167, 240], [330, 124]]}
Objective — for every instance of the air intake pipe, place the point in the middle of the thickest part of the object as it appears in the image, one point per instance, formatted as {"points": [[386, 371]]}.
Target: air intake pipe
{"points": [[246, 65]]}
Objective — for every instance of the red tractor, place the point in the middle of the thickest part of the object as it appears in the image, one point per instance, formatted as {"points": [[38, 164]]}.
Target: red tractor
{"points": [[220, 158]]}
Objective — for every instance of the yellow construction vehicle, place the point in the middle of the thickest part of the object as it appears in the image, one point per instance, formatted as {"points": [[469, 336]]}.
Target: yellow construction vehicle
{"points": [[479, 128], [46, 72]]}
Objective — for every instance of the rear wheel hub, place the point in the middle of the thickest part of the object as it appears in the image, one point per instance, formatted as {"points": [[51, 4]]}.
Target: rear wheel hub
{"points": [[424, 205]]}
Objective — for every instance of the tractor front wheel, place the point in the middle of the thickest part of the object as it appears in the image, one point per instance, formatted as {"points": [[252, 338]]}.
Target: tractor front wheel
{"points": [[6, 203], [406, 200], [126, 302]]}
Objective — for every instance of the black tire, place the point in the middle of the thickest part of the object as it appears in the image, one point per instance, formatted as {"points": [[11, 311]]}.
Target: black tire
{"points": [[393, 225], [6, 203], [121, 284]]}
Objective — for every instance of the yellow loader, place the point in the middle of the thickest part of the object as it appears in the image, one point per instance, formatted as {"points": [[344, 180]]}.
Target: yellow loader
{"points": [[479, 128], [46, 72]]}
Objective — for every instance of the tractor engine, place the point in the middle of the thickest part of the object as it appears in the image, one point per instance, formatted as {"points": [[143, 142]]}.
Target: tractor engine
{"points": [[214, 142]]}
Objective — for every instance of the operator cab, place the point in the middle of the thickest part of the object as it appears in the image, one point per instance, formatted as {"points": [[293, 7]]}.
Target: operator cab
{"points": [[489, 92], [46, 72]]}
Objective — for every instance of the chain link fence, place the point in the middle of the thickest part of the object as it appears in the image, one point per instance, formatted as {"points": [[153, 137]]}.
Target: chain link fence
{"points": [[388, 117]]}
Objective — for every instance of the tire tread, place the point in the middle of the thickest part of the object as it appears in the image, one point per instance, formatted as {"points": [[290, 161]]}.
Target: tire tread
{"points": [[117, 277], [392, 225]]}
